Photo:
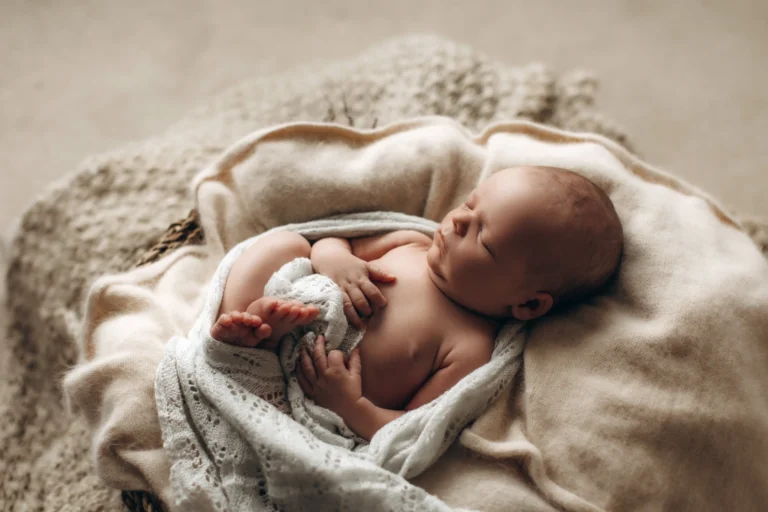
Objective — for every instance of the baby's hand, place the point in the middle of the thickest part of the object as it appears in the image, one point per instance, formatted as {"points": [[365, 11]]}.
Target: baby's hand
{"points": [[355, 278], [328, 381]]}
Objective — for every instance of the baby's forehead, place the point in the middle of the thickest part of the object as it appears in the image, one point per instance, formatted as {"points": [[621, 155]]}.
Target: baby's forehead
{"points": [[531, 199], [523, 184], [533, 176]]}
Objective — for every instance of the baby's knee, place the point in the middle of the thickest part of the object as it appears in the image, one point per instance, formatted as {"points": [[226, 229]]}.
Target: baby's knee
{"points": [[289, 245], [250, 273]]}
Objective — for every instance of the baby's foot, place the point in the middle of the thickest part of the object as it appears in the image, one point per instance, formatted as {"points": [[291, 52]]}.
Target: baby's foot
{"points": [[243, 329], [282, 315]]}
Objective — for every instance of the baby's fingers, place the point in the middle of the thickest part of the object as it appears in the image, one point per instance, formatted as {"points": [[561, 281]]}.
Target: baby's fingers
{"points": [[336, 359], [304, 384], [353, 364], [351, 312], [359, 300], [377, 274], [307, 367], [373, 294], [321, 362]]}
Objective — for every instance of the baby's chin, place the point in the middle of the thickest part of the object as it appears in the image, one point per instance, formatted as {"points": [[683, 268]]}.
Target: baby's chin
{"points": [[434, 258], [437, 273]]}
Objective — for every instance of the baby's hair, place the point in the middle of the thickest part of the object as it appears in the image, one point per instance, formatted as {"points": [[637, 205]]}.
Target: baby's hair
{"points": [[585, 255]]}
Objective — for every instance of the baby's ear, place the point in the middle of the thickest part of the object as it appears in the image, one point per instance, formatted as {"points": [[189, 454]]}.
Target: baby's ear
{"points": [[536, 306]]}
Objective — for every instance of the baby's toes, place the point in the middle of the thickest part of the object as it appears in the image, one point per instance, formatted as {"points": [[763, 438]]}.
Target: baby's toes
{"points": [[270, 304], [252, 320], [308, 313], [263, 331], [222, 327], [283, 310], [236, 316], [294, 312]]}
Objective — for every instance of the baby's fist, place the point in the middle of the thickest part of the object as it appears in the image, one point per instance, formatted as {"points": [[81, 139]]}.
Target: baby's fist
{"points": [[360, 294]]}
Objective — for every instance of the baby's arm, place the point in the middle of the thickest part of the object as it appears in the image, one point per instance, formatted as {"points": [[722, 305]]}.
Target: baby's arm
{"points": [[347, 263], [366, 418], [333, 257], [461, 360], [326, 251], [337, 385], [371, 248]]}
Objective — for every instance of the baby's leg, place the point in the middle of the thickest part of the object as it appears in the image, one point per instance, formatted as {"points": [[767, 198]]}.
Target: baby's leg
{"points": [[256, 265], [245, 316]]}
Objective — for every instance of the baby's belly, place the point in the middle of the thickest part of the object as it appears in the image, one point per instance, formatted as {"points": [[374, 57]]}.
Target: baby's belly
{"points": [[395, 365], [397, 357]]}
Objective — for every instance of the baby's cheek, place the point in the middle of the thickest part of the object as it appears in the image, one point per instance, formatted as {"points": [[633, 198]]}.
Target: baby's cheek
{"points": [[484, 277], [465, 277]]}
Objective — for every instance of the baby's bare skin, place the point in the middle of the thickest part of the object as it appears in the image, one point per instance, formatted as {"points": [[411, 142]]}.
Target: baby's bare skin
{"points": [[404, 346], [401, 349], [266, 319], [407, 358], [431, 306], [246, 317]]}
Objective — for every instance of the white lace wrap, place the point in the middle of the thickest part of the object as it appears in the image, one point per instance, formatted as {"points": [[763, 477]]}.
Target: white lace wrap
{"points": [[233, 448]]}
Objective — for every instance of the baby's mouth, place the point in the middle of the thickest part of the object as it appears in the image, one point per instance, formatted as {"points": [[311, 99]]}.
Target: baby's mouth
{"points": [[440, 242]]}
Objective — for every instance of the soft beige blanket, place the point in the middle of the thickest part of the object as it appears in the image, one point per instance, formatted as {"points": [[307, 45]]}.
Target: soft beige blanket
{"points": [[652, 396], [102, 218]]}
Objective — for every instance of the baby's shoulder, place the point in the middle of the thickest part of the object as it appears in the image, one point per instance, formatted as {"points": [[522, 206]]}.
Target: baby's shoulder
{"points": [[470, 335], [468, 349]]}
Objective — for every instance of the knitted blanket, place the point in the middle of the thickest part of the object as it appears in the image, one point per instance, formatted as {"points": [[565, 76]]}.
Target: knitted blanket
{"points": [[639, 370], [102, 217], [209, 398]]}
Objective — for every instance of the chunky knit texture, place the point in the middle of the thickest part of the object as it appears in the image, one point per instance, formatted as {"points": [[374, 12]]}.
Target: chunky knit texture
{"points": [[101, 218]]}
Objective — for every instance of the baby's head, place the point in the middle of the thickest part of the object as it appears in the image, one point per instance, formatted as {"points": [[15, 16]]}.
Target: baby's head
{"points": [[527, 238]]}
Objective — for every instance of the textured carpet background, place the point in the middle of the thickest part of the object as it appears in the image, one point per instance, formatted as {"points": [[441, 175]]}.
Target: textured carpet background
{"points": [[78, 77]]}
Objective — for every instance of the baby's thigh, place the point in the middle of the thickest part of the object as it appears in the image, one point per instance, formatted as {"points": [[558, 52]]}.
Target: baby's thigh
{"points": [[255, 266]]}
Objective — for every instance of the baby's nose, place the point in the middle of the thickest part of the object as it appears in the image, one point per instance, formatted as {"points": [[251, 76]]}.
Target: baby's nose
{"points": [[459, 226]]}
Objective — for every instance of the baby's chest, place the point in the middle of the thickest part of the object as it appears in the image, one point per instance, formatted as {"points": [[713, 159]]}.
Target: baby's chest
{"points": [[407, 331], [412, 328], [398, 354]]}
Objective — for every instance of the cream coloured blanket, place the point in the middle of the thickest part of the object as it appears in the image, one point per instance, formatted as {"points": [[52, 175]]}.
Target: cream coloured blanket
{"points": [[644, 397], [101, 218]]}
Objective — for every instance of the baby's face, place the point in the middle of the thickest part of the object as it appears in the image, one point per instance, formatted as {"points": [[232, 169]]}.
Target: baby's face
{"points": [[479, 256]]}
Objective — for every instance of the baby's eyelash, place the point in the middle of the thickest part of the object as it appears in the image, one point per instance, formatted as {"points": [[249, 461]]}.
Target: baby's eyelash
{"points": [[486, 247]]}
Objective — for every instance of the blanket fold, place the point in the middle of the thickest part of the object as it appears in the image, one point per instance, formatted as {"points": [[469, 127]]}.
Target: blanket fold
{"points": [[101, 219], [628, 400]]}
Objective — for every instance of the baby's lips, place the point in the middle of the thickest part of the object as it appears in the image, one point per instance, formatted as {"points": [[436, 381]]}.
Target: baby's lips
{"points": [[440, 240]]}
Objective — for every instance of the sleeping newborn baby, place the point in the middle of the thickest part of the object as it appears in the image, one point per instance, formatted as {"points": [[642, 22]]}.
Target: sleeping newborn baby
{"points": [[526, 240]]}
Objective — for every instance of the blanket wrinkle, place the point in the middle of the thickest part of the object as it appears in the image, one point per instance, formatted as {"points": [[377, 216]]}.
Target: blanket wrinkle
{"points": [[219, 430], [101, 219], [598, 422]]}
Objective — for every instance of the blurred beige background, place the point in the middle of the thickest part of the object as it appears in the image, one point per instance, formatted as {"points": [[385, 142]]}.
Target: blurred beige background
{"points": [[687, 79]]}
